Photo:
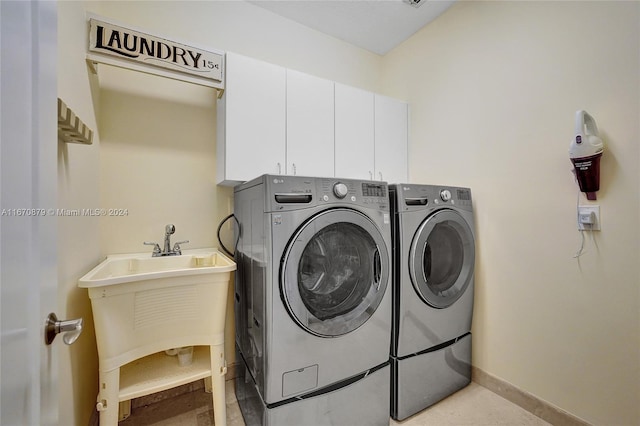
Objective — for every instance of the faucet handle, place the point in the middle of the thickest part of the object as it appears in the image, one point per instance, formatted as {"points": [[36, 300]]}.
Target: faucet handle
{"points": [[176, 246], [156, 246]]}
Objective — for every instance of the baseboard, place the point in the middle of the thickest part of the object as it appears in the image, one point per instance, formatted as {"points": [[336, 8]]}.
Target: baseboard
{"points": [[166, 394], [538, 407]]}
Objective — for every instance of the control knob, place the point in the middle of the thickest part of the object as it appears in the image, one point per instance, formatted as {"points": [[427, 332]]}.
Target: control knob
{"points": [[445, 194], [340, 190]]}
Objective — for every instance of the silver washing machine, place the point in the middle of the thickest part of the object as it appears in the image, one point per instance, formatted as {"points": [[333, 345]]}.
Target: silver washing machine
{"points": [[313, 301], [433, 270]]}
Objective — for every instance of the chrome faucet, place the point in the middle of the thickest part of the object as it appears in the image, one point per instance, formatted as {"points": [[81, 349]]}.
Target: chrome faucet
{"points": [[167, 251], [168, 230]]}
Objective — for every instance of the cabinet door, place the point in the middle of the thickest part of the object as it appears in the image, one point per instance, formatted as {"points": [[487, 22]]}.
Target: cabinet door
{"points": [[310, 129], [251, 120], [391, 139], [354, 132]]}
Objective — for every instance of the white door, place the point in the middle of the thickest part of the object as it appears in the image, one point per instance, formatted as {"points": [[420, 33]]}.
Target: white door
{"points": [[28, 179]]}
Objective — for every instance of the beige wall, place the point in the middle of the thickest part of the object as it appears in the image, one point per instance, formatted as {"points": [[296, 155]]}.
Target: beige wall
{"points": [[78, 250], [493, 88]]}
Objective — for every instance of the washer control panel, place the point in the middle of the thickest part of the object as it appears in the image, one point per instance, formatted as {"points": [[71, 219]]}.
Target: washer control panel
{"points": [[365, 193], [297, 192]]}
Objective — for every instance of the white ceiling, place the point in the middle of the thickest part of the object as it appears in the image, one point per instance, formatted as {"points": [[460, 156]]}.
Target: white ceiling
{"points": [[374, 25]]}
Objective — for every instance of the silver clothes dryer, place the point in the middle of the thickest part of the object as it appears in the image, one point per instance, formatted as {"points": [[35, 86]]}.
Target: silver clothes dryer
{"points": [[313, 301], [433, 271]]}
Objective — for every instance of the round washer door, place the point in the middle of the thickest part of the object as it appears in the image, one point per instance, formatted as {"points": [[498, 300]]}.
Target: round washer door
{"points": [[442, 257], [334, 272]]}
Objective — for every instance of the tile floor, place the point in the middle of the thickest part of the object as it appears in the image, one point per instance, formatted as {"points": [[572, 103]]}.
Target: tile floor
{"points": [[471, 406]]}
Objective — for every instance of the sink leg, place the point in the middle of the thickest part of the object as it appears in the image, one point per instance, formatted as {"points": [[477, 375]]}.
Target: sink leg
{"points": [[218, 372], [108, 397], [124, 411]]}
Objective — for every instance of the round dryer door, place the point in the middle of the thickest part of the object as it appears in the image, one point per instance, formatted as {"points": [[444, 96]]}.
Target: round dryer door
{"points": [[442, 257], [334, 272]]}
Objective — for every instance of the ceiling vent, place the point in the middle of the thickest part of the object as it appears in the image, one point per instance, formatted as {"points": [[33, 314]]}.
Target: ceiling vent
{"points": [[415, 3]]}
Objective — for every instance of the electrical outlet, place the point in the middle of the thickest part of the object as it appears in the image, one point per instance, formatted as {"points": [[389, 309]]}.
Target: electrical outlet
{"points": [[589, 218]]}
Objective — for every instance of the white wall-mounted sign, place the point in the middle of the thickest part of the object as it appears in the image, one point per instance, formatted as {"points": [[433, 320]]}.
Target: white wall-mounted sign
{"points": [[127, 45]]}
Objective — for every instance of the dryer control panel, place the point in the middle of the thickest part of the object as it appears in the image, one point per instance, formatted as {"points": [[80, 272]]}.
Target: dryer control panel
{"points": [[411, 197]]}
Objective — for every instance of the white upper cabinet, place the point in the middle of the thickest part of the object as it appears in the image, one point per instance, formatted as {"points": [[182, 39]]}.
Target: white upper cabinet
{"points": [[251, 120], [371, 136], [310, 125], [391, 139], [354, 135], [279, 121]]}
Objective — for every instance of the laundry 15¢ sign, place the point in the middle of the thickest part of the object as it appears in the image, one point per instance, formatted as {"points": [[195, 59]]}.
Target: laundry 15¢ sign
{"points": [[124, 43]]}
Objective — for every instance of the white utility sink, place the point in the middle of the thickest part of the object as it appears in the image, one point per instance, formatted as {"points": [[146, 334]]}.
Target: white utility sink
{"points": [[144, 305], [123, 268]]}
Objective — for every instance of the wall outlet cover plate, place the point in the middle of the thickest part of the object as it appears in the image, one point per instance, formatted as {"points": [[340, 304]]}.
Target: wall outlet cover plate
{"points": [[586, 210]]}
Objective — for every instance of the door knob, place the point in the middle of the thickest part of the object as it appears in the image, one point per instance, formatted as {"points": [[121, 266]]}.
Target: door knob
{"points": [[70, 328]]}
